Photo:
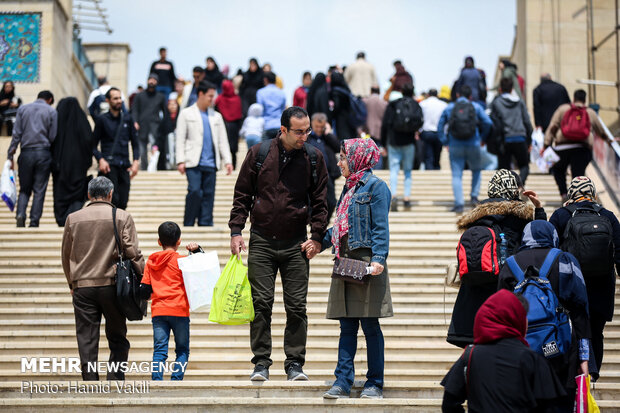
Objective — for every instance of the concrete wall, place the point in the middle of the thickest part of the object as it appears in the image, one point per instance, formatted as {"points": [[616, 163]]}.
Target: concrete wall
{"points": [[60, 72], [552, 36], [111, 61]]}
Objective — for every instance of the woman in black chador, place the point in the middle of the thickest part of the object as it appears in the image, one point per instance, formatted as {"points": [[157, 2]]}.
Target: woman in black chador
{"points": [[72, 153]]}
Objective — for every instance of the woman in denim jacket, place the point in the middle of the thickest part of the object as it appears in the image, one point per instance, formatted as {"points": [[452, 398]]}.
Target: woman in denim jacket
{"points": [[360, 232]]}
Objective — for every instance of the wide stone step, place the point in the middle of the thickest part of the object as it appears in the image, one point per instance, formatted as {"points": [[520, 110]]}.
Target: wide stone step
{"points": [[223, 405]]}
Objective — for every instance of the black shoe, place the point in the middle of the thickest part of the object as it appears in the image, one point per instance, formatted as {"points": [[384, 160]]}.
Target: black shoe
{"points": [[407, 204], [294, 372], [260, 373], [474, 201], [457, 208], [21, 221], [394, 205]]}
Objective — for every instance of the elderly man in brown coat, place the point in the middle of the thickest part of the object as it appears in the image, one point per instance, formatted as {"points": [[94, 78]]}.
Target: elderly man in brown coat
{"points": [[89, 254]]}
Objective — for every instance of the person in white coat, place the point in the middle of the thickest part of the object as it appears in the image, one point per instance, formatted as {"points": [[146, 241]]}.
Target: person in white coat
{"points": [[201, 149]]}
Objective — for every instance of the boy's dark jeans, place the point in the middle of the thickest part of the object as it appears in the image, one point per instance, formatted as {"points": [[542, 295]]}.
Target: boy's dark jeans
{"points": [[265, 258], [161, 336]]}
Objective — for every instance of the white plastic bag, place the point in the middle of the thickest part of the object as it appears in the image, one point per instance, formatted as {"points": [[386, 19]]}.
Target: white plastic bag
{"points": [[7, 186], [538, 140], [547, 160], [200, 273]]}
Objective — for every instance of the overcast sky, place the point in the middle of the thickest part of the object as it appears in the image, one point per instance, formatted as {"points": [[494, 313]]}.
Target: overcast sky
{"points": [[430, 37]]}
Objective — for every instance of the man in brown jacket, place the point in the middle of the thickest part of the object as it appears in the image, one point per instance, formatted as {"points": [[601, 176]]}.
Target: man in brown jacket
{"points": [[577, 154], [89, 255], [281, 196]]}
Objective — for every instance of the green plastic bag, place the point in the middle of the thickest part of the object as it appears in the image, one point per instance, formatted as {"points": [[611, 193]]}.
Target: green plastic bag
{"points": [[232, 295]]}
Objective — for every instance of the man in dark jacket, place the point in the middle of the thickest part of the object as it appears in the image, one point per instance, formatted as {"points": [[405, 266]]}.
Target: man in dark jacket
{"points": [[500, 351], [601, 290], [566, 280], [282, 195], [548, 96], [517, 129], [401, 121], [329, 145], [114, 159], [147, 109], [164, 70]]}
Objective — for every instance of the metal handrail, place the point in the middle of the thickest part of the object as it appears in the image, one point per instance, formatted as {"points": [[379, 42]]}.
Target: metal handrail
{"points": [[610, 137], [610, 182]]}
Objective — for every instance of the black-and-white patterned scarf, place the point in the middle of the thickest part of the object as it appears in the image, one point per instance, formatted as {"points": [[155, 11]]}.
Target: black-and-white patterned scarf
{"points": [[581, 189], [504, 185]]}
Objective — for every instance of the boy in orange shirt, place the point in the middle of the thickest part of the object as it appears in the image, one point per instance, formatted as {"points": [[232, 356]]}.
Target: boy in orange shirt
{"points": [[163, 283]]}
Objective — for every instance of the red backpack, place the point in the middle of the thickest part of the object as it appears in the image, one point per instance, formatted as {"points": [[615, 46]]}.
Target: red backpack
{"points": [[576, 124], [477, 252]]}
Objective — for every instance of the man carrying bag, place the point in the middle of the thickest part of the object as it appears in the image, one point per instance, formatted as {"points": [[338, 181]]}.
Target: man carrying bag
{"points": [[90, 259]]}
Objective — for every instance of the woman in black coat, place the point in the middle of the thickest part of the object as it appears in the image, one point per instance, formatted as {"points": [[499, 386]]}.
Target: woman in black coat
{"points": [[504, 212], [318, 96], [252, 81], [601, 290], [72, 153], [342, 107]]}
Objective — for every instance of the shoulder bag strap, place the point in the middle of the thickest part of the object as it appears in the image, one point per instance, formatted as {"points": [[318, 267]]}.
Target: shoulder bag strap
{"points": [[116, 236]]}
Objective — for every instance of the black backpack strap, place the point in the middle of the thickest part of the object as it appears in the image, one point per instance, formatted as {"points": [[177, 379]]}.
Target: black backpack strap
{"points": [[574, 208], [311, 151], [263, 151]]}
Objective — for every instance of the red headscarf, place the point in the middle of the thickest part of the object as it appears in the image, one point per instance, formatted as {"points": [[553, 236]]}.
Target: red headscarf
{"points": [[501, 316], [229, 104], [362, 155]]}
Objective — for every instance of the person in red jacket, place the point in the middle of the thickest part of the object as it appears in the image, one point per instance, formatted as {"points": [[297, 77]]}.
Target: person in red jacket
{"points": [[162, 282], [301, 93], [229, 105]]}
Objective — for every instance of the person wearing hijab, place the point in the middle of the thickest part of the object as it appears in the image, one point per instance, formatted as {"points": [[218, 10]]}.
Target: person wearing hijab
{"points": [[9, 103], [340, 95], [213, 74], [567, 282], [252, 81], [229, 105], [504, 212], [363, 209], [500, 373], [72, 153], [318, 96], [601, 290]]}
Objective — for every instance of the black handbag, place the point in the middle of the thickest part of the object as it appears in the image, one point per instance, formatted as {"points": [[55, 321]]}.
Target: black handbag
{"points": [[127, 284], [350, 270]]}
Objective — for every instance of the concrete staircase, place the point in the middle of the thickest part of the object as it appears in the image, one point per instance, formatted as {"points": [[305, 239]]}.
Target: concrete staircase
{"points": [[36, 315]]}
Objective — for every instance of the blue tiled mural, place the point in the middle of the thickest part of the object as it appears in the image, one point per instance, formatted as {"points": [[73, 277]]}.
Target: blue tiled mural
{"points": [[20, 46]]}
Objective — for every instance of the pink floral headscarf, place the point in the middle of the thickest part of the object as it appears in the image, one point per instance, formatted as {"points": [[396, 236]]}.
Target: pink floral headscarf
{"points": [[362, 155]]}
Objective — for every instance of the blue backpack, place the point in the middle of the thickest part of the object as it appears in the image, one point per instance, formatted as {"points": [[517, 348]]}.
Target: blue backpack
{"points": [[549, 330], [358, 113]]}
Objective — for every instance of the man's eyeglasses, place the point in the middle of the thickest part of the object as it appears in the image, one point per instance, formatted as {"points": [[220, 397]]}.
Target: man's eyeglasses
{"points": [[300, 132]]}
